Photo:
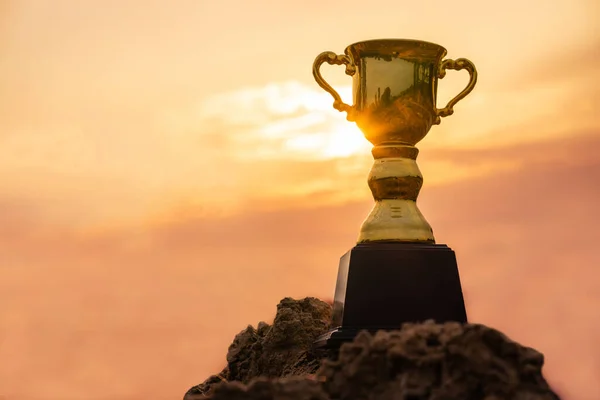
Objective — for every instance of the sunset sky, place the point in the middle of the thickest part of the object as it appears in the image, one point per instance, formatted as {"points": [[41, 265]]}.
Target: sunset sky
{"points": [[169, 170]]}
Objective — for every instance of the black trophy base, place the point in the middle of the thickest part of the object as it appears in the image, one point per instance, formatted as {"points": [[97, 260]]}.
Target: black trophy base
{"points": [[381, 286]]}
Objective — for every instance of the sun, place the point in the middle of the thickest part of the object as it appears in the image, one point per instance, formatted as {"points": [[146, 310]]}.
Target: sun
{"points": [[338, 141], [346, 141], [288, 120], [319, 131]]}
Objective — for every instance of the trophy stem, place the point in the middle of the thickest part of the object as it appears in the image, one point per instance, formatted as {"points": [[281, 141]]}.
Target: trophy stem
{"points": [[395, 181]]}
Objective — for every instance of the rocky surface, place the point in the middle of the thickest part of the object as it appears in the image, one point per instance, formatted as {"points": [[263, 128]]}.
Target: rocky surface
{"points": [[273, 389], [279, 350], [418, 362], [431, 361]]}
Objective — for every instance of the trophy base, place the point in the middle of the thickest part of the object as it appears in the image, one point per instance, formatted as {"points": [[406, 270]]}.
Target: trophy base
{"points": [[382, 285]]}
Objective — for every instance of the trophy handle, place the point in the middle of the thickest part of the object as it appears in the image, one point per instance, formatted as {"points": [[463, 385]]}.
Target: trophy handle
{"points": [[331, 58], [457, 65]]}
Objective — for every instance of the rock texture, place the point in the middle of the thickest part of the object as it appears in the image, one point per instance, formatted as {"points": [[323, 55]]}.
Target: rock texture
{"points": [[418, 362], [279, 350], [264, 389], [430, 361]]}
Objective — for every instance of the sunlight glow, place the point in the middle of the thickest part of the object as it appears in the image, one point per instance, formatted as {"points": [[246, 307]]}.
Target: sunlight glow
{"points": [[343, 141], [299, 121], [282, 121]]}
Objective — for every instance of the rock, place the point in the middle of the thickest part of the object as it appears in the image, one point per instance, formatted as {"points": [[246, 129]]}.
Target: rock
{"points": [[262, 388], [434, 362], [241, 352], [283, 349], [203, 390], [425, 361]]}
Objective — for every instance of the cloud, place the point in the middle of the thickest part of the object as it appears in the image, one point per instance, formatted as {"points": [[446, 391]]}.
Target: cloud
{"points": [[254, 144], [577, 63]]}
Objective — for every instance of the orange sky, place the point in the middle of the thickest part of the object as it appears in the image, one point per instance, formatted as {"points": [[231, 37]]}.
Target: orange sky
{"points": [[170, 170]]}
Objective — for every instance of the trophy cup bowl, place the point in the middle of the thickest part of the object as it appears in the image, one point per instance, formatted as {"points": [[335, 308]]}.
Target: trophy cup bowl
{"points": [[396, 273], [394, 91]]}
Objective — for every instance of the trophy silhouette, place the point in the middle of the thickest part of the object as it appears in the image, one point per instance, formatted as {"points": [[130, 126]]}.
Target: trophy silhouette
{"points": [[396, 273]]}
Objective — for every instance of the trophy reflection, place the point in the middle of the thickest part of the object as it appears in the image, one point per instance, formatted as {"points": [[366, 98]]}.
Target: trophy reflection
{"points": [[396, 273]]}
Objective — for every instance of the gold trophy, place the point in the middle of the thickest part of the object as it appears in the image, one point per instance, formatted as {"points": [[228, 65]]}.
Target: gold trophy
{"points": [[396, 273], [394, 90]]}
